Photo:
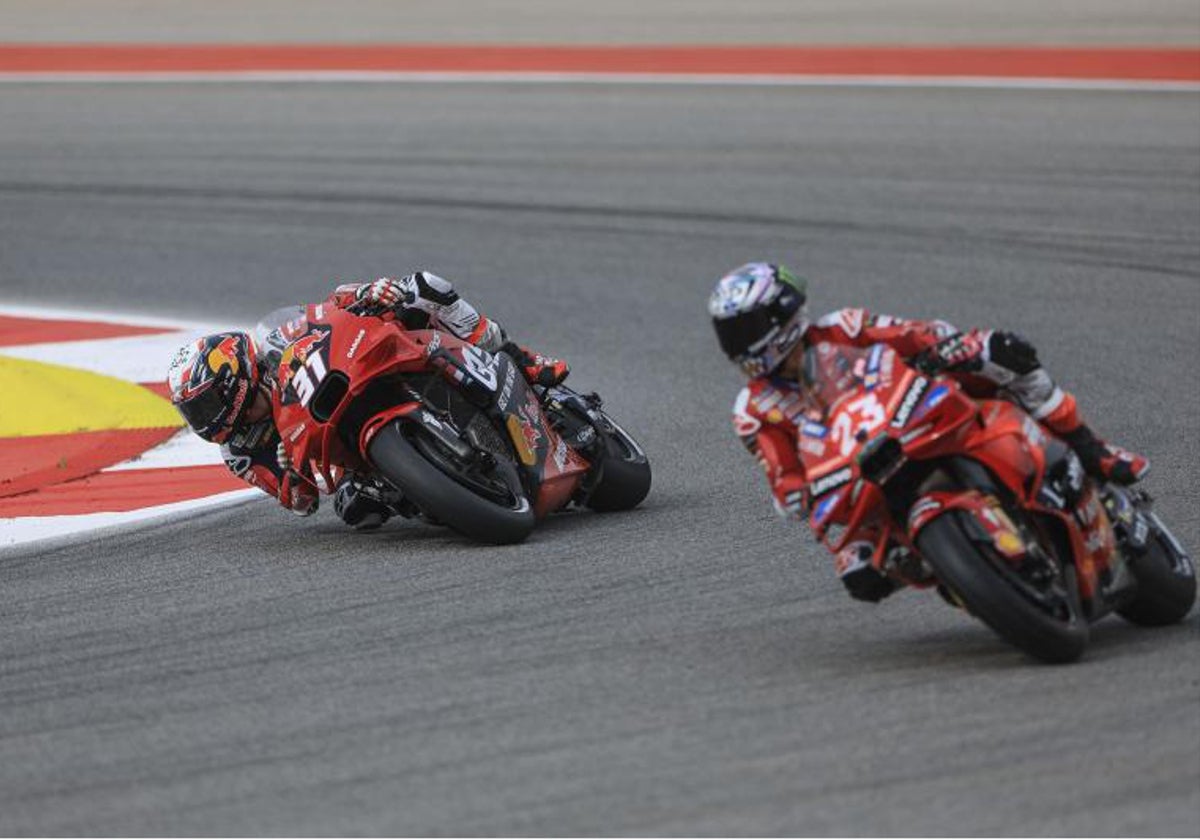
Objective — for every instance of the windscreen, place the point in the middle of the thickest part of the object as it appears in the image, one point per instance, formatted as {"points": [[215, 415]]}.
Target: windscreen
{"points": [[276, 330], [831, 371]]}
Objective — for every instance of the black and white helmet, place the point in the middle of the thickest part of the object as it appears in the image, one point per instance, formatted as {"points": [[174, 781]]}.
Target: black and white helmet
{"points": [[759, 313]]}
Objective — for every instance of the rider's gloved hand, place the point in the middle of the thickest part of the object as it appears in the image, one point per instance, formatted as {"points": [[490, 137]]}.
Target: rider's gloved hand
{"points": [[538, 369], [383, 295], [282, 457], [862, 580], [960, 352], [296, 494]]}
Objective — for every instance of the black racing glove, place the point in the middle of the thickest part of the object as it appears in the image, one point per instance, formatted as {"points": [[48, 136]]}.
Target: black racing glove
{"points": [[962, 352]]}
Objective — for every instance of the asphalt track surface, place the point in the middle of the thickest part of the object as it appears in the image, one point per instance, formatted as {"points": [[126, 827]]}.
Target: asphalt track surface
{"points": [[613, 21], [689, 668]]}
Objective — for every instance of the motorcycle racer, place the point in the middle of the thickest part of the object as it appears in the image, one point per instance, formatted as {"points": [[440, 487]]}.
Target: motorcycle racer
{"points": [[221, 386], [760, 316]]}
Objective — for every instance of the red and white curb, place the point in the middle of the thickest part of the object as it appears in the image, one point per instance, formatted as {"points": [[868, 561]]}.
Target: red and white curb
{"points": [[127, 461]]}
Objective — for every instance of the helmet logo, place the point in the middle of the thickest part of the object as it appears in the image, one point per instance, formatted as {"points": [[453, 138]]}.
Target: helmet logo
{"points": [[224, 354]]}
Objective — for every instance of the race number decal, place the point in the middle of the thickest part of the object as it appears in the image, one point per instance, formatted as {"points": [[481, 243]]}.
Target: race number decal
{"points": [[860, 417], [306, 379], [481, 365]]}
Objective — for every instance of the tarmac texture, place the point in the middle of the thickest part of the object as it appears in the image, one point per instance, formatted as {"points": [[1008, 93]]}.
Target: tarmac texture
{"points": [[692, 667]]}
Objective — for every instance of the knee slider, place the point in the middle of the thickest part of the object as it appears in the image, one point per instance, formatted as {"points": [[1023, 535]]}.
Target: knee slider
{"points": [[1013, 351]]}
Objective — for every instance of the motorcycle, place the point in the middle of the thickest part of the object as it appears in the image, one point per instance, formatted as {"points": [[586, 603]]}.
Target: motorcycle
{"points": [[455, 429], [974, 498]]}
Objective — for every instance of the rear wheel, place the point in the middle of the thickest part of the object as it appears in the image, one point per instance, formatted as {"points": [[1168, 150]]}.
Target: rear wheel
{"points": [[480, 497], [1040, 614], [1166, 581], [624, 471]]}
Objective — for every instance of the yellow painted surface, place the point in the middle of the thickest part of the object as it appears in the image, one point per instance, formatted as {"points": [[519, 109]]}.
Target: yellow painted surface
{"points": [[42, 399]]}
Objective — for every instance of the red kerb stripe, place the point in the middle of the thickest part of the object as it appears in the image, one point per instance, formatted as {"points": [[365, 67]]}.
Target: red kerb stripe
{"points": [[1134, 63], [15, 331], [114, 492]]}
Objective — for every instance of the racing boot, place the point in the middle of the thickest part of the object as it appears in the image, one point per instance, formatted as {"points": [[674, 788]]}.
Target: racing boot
{"points": [[1100, 460], [538, 369], [862, 580], [1106, 462], [364, 504]]}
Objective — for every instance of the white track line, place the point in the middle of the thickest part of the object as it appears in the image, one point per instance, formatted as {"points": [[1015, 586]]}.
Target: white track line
{"points": [[182, 450], [19, 532], [137, 358], [337, 76]]}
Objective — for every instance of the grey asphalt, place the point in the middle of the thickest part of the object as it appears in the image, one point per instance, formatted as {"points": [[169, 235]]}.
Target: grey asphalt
{"points": [[689, 668], [1159, 22]]}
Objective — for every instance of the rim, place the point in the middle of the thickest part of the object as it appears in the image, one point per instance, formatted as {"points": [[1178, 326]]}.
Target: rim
{"points": [[484, 476]]}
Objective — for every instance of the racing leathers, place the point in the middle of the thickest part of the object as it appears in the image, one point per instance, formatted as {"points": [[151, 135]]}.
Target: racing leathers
{"points": [[769, 411], [256, 453]]}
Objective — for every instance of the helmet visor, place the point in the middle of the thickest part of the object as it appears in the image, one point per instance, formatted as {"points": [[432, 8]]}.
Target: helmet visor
{"points": [[745, 332], [203, 410]]}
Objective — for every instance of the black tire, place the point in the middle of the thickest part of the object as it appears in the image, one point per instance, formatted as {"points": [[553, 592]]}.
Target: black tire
{"points": [[976, 579], [442, 497], [1166, 585], [624, 473]]}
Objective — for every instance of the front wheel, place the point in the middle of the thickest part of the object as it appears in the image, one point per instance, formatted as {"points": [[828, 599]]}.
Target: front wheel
{"points": [[477, 500], [1041, 618]]}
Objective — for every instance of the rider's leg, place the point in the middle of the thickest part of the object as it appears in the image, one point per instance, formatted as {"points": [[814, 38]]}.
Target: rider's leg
{"points": [[1013, 363]]}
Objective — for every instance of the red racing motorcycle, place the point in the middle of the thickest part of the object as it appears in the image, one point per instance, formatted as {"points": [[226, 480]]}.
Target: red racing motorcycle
{"points": [[975, 498], [456, 429]]}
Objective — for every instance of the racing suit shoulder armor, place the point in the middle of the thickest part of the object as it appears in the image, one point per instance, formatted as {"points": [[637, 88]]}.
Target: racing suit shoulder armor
{"points": [[850, 321]]}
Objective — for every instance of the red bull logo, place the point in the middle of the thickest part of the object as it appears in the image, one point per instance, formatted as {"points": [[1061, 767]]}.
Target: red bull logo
{"points": [[225, 354], [296, 353]]}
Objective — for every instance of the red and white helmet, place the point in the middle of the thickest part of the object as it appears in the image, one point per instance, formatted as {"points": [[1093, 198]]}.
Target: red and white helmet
{"points": [[759, 313], [213, 380]]}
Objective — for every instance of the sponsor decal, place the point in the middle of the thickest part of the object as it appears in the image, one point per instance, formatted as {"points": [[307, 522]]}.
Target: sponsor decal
{"points": [[935, 397], [560, 455], [516, 431], [923, 507], [510, 378], [297, 353], [525, 429], [239, 465], [825, 507], [907, 405], [809, 446], [1009, 544], [766, 401], [224, 355], [814, 430], [832, 481], [354, 345], [909, 437], [434, 344], [294, 434], [873, 359]]}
